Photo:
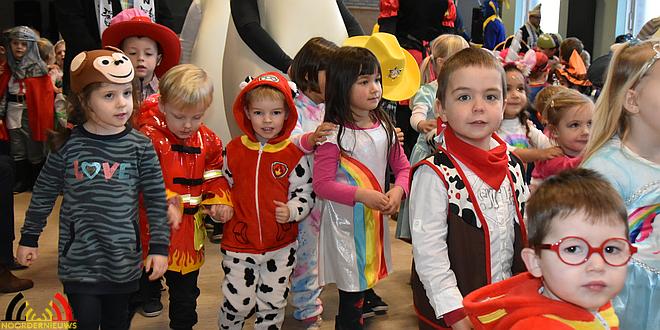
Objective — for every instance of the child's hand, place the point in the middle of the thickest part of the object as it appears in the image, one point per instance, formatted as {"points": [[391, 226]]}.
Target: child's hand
{"points": [[174, 213], [394, 196], [26, 255], [321, 132], [426, 126], [159, 265], [372, 199], [399, 134], [463, 324], [282, 213], [551, 153], [220, 212]]}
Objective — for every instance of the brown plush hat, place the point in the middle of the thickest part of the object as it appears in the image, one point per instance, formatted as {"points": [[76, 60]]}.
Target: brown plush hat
{"points": [[108, 65]]}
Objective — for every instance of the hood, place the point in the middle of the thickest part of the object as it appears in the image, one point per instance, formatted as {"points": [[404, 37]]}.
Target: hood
{"points": [[274, 80], [490, 8], [502, 304]]}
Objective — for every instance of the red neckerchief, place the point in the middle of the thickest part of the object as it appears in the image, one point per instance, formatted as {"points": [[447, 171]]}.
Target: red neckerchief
{"points": [[490, 166]]}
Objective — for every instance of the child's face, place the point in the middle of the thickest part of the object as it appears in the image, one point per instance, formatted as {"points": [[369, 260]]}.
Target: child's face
{"points": [[589, 285], [474, 104], [267, 116], [183, 123], [365, 94], [60, 52], [111, 105], [549, 52], [18, 48], [572, 132], [143, 53], [645, 115], [516, 96]]}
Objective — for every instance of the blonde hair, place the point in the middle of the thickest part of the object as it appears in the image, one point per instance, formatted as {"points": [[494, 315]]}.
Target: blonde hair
{"points": [[186, 85], [560, 102], [441, 48], [264, 92], [46, 50], [623, 74]]}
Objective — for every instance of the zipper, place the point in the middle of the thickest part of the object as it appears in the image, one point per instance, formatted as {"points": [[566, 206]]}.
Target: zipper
{"points": [[602, 320], [256, 192]]}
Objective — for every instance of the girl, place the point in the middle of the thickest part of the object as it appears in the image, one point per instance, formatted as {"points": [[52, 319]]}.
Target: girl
{"points": [[27, 106], [543, 99], [423, 116], [525, 140], [308, 71], [349, 172], [100, 168], [569, 121], [625, 148]]}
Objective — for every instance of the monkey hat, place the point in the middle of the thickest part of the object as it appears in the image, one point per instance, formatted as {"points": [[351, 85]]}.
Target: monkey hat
{"points": [[108, 65]]}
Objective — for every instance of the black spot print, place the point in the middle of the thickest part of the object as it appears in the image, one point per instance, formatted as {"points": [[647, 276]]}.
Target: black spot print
{"points": [[271, 266], [249, 277]]}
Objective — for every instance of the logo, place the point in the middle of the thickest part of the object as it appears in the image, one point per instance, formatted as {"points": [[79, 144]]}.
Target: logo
{"points": [[395, 73], [279, 169], [20, 315], [268, 78]]}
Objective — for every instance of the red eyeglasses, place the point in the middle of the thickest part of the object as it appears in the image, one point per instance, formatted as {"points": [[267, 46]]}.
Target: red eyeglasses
{"points": [[573, 250]]}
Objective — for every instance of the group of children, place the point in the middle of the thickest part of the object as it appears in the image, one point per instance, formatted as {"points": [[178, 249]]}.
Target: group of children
{"points": [[305, 197]]}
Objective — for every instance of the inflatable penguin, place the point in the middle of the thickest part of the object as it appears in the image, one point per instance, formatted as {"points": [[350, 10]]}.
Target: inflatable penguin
{"points": [[283, 26]]}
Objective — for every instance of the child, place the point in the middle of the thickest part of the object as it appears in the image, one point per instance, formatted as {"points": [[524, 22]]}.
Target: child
{"points": [[47, 54], [578, 247], [423, 117], [191, 157], [153, 48], [349, 174], [100, 169], [308, 71], [569, 122], [624, 144], [60, 52], [573, 72], [466, 201], [271, 187], [27, 106], [524, 139]]}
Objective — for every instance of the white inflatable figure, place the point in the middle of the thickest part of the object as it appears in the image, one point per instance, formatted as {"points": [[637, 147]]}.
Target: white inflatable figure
{"points": [[220, 50]]}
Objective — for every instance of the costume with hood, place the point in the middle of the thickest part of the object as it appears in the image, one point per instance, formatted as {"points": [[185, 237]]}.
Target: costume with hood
{"points": [[494, 30], [517, 304], [29, 77], [254, 244], [466, 225]]}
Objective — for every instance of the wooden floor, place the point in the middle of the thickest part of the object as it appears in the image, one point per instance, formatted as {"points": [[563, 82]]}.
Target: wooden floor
{"points": [[395, 290]]}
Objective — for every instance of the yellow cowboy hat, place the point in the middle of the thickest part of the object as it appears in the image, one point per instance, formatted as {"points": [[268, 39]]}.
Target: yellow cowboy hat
{"points": [[399, 69]]}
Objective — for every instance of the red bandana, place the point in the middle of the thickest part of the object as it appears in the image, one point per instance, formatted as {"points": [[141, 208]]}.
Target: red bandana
{"points": [[490, 166]]}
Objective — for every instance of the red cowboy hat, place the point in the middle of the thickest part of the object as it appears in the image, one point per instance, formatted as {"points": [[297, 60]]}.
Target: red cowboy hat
{"points": [[135, 23]]}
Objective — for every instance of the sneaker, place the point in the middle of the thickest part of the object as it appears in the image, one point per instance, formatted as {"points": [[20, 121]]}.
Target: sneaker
{"points": [[313, 323], [367, 311], [216, 236], [151, 308], [375, 304]]}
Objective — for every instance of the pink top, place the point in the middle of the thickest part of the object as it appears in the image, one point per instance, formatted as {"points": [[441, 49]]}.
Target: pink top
{"points": [[326, 161], [547, 168]]}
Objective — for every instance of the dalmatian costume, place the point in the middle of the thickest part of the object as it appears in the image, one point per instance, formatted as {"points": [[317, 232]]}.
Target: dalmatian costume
{"points": [[259, 252], [465, 233]]}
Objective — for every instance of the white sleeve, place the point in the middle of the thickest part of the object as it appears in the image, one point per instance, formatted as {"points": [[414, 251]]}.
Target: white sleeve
{"points": [[537, 139], [428, 221], [189, 30]]}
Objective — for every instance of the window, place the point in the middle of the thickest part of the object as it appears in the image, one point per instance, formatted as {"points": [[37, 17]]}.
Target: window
{"points": [[640, 12], [549, 13]]}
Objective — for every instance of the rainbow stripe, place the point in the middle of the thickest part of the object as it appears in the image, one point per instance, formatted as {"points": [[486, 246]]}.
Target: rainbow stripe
{"points": [[640, 222], [517, 140], [368, 224]]}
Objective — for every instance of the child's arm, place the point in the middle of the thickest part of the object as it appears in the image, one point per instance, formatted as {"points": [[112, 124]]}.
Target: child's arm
{"points": [[420, 105], [401, 168], [220, 206], [153, 189], [307, 141], [428, 228], [45, 192], [301, 197], [326, 162], [529, 155]]}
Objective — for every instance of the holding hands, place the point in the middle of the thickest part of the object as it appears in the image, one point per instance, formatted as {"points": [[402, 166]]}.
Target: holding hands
{"points": [[282, 212], [219, 212], [387, 203]]}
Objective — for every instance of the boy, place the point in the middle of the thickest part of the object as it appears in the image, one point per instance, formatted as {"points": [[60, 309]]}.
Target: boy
{"points": [[152, 48], [271, 185], [191, 158], [578, 237], [466, 201]]}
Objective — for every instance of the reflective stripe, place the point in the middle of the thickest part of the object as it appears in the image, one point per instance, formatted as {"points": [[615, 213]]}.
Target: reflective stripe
{"points": [[192, 200], [208, 175]]}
